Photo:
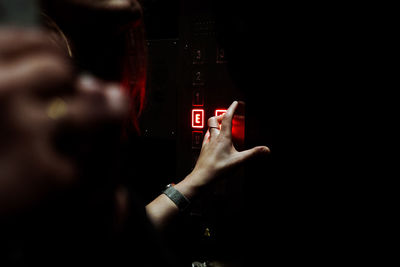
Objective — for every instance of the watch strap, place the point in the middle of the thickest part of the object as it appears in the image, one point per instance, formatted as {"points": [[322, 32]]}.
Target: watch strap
{"points": [[177, 197]]}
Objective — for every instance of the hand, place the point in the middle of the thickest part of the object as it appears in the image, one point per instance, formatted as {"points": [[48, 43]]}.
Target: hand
{"points": [[218, 153], [44, 103]]}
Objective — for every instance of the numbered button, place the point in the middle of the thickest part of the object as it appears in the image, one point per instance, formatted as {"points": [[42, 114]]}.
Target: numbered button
{"points": [[197, 139], [198, 97]]}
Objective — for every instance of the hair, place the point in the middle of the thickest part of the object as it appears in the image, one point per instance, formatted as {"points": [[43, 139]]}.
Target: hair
{"points": [[57, 35]]}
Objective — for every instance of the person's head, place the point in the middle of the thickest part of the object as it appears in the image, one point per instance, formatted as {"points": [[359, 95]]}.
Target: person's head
{"points": [[106, 38]]}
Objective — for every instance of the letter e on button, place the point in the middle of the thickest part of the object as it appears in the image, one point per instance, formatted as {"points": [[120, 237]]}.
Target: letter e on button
{"points": [[198, 118]]}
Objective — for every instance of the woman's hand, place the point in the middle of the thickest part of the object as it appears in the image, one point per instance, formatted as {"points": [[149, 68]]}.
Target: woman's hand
{"points": [[217, 155]]}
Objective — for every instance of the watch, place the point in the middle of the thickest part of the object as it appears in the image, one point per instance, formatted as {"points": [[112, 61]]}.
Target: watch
{"points": [[177, 197]]}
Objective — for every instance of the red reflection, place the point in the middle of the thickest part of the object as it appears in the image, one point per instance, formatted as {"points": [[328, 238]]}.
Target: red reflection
{"points": [[238, 126], [219, 112]]}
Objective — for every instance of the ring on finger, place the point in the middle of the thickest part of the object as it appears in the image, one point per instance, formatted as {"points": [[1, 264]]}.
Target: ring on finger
{"points": [[57, 108]]}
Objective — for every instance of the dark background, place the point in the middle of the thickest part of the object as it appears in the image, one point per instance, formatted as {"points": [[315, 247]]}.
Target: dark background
{"points": [[305, 78], [304, 71]]}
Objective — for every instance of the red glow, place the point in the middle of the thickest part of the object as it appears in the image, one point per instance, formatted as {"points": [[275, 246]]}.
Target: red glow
{"points": [[197, 118], [134, 74], [219, 112]]}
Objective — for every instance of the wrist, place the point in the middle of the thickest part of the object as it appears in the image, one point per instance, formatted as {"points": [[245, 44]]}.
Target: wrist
{"points": [[192, 185], [179, 199]]}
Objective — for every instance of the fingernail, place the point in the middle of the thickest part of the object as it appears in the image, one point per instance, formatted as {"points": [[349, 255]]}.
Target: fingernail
{"points": [[266, 150]]}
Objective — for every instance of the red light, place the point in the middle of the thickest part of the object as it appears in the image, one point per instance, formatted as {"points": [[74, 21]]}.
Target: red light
{"points": [[197, 118], [219, 112]]}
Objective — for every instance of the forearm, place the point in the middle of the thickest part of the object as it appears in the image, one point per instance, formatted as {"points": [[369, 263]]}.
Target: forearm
{"points": [[162, 209]]}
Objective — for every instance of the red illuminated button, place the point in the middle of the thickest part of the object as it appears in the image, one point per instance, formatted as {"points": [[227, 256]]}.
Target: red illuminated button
{"points": [[219, 112], [197, 118]]}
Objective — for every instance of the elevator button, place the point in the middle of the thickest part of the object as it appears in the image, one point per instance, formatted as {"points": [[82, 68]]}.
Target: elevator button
{"points": [[198, 56], [198, 118], [197, 139], [221, 58], [198, 98], [198, 77]]}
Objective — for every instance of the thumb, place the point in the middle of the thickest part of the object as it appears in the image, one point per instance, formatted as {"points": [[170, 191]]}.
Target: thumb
{"points": [[251, 153]]}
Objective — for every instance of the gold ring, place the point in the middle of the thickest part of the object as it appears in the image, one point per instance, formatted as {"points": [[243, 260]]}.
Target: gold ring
{"points": [[57, 108]]}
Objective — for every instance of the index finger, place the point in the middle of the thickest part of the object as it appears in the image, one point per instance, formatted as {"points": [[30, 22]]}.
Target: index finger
{"points": [[226, 125]]}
